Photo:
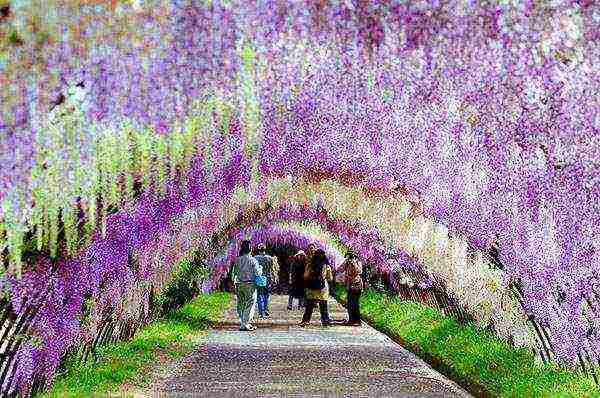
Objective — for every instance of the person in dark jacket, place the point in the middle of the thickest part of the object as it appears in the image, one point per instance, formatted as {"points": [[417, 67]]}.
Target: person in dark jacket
{"points": [[353, 270], [297, 280], [316, 275]]}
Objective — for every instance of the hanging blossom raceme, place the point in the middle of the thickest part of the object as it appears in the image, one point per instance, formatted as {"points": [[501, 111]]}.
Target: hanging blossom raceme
{"points": [[157, 230], [495, 98]]}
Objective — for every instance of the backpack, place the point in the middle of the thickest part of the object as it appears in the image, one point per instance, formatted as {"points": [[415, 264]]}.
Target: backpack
{"points": [[365, 275], [270, 268], [315, 279]]}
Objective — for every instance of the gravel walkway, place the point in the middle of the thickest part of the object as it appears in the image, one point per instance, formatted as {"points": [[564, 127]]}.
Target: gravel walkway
{"points": [[280, 359]]}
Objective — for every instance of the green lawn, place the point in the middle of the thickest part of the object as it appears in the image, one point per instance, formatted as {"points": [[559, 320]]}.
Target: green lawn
{"points": [[131, 361], [467, 353]]}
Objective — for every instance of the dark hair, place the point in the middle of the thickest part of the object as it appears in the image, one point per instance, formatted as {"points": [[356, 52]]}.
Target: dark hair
{"points": [[245, 248], [319, 258]]}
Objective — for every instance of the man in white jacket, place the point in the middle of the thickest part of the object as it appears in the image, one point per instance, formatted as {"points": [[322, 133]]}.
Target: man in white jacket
{"points": [[245, 271]]}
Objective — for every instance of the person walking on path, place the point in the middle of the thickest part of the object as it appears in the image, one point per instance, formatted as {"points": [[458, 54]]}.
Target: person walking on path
{"points": [[366, 275], [245, 271], [297, 268], [270, 268], [317, 292], [353, 270], [310, 252]]}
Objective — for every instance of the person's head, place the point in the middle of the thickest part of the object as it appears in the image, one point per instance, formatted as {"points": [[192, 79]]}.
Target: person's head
{"points": [[311, 248], [350, 255], [245, 248], [320, 257], [261, 248]]}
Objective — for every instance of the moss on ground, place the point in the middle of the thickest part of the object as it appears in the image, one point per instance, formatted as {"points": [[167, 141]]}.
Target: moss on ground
{"points": [[131, 361], [473, 357]]}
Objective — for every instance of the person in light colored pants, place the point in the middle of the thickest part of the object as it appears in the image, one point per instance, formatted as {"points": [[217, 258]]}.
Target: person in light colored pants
{"points": [[244, 273], [246, 303]]}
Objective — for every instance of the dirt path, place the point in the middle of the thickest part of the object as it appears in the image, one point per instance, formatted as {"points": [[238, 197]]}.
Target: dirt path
{"points": [[280, 359]]}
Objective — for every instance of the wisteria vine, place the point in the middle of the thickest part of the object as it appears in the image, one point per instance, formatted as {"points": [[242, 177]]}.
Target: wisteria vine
{"points": [[483, 113]]}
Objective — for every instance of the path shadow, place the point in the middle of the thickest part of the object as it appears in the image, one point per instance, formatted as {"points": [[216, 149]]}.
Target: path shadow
{"points": [[272, 324], [233, 325]]}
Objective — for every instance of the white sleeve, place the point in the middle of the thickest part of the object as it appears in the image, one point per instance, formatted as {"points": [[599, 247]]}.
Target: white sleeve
{"points": [[235, 270]]}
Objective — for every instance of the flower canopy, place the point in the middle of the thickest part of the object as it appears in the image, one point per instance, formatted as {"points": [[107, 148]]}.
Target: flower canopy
{"points": [[125, 124]]}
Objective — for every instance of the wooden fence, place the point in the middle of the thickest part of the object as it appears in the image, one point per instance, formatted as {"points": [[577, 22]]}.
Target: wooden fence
{"points": [[438, 296], [15, 329]]}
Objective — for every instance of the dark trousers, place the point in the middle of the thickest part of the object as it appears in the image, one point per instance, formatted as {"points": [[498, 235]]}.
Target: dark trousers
{"points": [[353, 305], [310, 306]]}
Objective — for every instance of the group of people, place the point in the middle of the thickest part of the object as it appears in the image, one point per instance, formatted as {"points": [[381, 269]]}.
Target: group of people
{"points": [[246, 269], [309, 276]]}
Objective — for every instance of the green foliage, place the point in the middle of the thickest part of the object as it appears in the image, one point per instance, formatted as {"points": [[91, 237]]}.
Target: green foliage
{"points": [[103, 216], [103, 173], [182, 285], [88, 303], [15, 38], [225, 111], [3, 246], [53, 219], [144, 146], [468, 353], [206, 130], [38, 212], [176, 149], [161, 151], [112, 159], [90, 222], [129, 361], [70, 224]]}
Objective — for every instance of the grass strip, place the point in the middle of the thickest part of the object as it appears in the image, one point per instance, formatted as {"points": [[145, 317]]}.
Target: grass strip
{"points": [[131, 361], [473, 357]]}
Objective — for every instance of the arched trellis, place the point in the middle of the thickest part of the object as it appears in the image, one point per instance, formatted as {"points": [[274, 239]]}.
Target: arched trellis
{"points": [[250, 213], [258, 216], [431, 290], [545, 176], [253, 214]]}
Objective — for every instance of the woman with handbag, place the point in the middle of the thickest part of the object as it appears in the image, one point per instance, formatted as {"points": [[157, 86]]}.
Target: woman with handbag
{"points": [[317, 291], [246, 274], [353, 271]]}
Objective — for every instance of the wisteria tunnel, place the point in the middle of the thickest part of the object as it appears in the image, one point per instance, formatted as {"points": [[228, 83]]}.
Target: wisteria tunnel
{"points": [[454, 145]]}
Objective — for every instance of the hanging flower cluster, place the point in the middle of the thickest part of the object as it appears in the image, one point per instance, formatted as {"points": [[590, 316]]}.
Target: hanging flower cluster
{"points": [[484, 116]]}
